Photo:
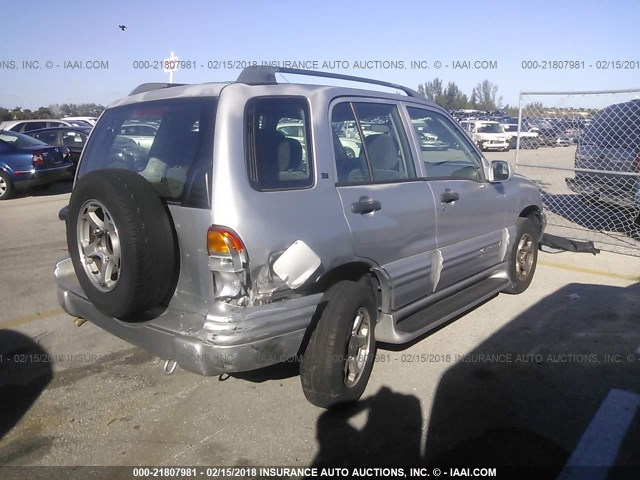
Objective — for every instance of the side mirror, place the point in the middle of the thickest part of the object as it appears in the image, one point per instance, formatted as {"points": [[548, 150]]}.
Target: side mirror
{"points": [[499, 171]]}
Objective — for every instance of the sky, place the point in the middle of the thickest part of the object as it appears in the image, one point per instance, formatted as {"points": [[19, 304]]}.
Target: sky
{"points": [[65, 34]]}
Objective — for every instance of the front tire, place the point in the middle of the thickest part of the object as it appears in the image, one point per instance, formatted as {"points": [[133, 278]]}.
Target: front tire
{"points": [[523, 257], [338, 360]]}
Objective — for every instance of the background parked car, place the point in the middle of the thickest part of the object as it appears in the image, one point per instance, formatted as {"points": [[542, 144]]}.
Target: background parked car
{"points": [[553, 137], [527, 139], [90, 120], [79, 123], [428, 135], [73, 138], [27, 162], [487, 134], [23, 126], [611, 147], [141, 133], [573, 128]]}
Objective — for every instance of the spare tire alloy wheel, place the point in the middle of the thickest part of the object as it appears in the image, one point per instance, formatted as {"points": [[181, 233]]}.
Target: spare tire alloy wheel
{"points": [[99, 245], [339, 357]]}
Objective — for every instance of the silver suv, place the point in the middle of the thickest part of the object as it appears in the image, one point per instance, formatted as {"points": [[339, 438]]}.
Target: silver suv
{"points": [[225, 245]]}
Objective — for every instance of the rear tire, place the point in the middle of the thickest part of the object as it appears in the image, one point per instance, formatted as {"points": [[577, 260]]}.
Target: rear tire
{"points": [[338, 360], [6, 186], [523, 257]]}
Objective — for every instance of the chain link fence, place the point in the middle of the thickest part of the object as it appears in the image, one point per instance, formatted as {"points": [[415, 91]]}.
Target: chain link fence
{"points": [[583, 151]]}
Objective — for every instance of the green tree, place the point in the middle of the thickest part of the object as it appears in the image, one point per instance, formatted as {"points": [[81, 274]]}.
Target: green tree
{"points": [[453, 98], [52, 111], [432, 90], [54, 108], [68, 110], [511, 111], [16, 113], [533, 109], [485, 96], [43, 112]]}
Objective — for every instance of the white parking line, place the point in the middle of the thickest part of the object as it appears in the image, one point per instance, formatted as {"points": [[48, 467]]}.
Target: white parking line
{"points": [[599, 444]]}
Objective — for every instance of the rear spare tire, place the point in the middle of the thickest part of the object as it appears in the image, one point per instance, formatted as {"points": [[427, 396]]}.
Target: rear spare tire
{"points": [[121, 242]]}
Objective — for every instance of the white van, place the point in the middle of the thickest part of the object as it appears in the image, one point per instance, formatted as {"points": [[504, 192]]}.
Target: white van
{"points": [[487, 134]]}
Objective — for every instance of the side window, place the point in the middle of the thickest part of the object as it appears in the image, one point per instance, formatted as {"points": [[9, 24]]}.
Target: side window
{"points": [[278, 143], [370, 143], [73, 139], [446, 152], [49, 138], [347, 143], [29, 126]]}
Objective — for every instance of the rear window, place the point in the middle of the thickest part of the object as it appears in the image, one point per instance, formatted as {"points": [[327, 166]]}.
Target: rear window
{"points": [[617, 126], [490, 128], [20, 140], [47, 137], [168, 142], [29, 126]]}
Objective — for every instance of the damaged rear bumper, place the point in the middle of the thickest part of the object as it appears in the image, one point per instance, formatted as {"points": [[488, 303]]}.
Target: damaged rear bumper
{"points": [[228, 339]]}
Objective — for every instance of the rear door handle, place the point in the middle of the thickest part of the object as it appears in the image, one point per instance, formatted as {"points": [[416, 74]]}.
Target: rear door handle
{"points": [[366, 205], [449, 196]]}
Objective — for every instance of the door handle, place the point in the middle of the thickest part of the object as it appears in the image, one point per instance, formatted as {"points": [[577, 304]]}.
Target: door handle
{"points": [[449, 196], [366, 205]]}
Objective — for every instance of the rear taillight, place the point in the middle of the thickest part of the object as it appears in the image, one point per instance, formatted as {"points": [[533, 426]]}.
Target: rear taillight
{"points": [[37, 159], [222, 241], [228, 262]]}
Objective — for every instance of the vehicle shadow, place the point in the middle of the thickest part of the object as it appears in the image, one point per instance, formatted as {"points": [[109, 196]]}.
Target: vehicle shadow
{"points": [[279, 371], [25, 371], [522, 398], [526, 395], [391, 436], [58, 188]]}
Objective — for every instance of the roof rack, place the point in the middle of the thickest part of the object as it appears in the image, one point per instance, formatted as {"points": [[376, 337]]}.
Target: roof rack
{"points": [[266, 75], [149, 87]]}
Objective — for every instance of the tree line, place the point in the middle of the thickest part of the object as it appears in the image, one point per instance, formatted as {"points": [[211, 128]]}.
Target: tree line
{"points": [[484, 96], [52, 111]]}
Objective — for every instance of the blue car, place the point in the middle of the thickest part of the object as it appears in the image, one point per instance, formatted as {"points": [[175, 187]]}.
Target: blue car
{"points": [[26, 162]]}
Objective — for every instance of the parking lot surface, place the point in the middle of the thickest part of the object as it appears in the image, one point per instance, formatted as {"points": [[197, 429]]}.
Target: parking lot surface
{"points": [[520, 380]]}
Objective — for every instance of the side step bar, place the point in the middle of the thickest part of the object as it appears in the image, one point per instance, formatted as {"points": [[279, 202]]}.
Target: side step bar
{"points": [[420, 322]]}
